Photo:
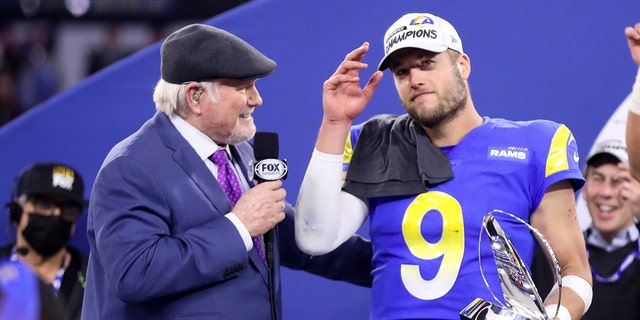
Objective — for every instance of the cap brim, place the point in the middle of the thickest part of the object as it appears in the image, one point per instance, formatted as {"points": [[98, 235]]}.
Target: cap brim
{"points": [[431, 47], [79, 200], [599, 156]]}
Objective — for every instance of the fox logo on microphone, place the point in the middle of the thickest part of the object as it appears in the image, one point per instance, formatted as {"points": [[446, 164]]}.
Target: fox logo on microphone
{"points": [[271, 169]]}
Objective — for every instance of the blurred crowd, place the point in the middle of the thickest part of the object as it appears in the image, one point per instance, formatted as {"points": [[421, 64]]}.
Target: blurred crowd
{"points": [[41, 58]]}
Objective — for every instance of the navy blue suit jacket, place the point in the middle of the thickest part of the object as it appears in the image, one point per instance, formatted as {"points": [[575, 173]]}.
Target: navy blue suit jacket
{"points": [[161, 247]]}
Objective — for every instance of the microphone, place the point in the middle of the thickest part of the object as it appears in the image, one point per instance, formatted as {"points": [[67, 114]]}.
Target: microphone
{"points": [[265, 150], [268, 168]]}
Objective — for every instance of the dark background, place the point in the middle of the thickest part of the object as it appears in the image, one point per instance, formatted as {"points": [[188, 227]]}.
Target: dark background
{"points": [[47, 46], [158, 11]]}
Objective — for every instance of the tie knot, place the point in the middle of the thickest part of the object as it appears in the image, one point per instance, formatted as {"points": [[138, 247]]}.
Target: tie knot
{"points": [[220, 157]]}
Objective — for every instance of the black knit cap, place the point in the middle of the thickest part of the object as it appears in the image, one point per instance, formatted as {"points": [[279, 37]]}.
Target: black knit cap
{"points": [[200, 52], [52, 179]]}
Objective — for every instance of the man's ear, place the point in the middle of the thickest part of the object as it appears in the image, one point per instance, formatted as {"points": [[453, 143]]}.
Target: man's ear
{"points": [[464, 66], [193, 94]]}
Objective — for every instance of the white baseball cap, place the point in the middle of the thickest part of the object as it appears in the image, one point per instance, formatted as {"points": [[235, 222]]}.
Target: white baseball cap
{"points": [[419, 30], [616, 148]]}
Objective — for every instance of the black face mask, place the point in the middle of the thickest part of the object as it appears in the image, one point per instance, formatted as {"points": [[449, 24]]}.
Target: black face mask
{"points": [[47, 234]]}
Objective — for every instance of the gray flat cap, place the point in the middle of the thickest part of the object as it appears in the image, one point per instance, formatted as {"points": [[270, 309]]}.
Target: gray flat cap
{"points": [[200, 52]]}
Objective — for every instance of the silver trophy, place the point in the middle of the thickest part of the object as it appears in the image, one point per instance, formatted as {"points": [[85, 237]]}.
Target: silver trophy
{"points": [[521, 298]]}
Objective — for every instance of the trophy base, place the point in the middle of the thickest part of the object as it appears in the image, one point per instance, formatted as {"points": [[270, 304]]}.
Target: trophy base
{"points": [[481, 309]]}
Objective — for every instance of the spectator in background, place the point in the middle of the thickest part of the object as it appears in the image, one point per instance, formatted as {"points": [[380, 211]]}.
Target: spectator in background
{"points": [[613, 198], [109, 52], [9, 63], [47, 201], [8, 105], [27, 74], [37, 79]]}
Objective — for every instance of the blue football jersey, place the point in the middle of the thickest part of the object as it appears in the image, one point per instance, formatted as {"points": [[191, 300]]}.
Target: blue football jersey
{"points": [[426, 256]]}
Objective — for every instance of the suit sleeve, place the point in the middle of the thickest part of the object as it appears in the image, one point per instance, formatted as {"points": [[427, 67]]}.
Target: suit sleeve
{"points": [[151, 247]]}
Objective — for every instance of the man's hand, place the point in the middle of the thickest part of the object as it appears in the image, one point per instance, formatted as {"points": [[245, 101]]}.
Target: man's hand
{"points": [[343, 100], [629, 189], [260, 208], [342, 97], [633, 39]]}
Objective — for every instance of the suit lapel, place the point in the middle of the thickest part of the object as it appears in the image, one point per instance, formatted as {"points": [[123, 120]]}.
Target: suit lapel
{"points": [[188, 159]]}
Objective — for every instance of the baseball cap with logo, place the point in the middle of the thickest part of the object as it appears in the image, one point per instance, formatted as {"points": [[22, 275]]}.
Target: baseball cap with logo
{"points": [[615, 148], [419, 30], [52, 179]]}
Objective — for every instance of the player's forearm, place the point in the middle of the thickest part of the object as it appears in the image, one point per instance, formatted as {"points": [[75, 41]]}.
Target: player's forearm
{"points": [[576, 274], [576, 281], [633, 129], [576, 295], [556, 219], [633, 144], [325, 216], [332, 135]]}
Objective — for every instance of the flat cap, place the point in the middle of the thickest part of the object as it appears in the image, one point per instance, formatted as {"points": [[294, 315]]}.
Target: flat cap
{"points": [[200, 52]]}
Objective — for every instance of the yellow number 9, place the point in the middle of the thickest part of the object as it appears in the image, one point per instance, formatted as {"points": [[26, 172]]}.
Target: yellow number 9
{"points": [[450, 246]]}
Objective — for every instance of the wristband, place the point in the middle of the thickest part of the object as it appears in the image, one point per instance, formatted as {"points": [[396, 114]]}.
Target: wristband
{"points": [[563, 312], [580, 286], [634, 103]]}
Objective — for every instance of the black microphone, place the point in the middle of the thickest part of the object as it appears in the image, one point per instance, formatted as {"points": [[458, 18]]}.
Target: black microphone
{"points": [[268, 168], [265, 149]]}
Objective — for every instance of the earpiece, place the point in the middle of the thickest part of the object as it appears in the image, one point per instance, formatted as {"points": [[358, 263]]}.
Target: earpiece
{"points": [[14, 209], [196, 95]]}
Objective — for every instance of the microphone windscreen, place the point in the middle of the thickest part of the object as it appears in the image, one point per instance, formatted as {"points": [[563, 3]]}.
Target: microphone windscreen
{"points": [[265, 145]]}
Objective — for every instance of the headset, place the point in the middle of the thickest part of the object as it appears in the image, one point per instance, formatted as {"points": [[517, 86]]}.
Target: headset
{"points": [[13, 208]]}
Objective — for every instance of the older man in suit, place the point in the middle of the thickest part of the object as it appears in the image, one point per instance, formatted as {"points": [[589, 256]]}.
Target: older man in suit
{"points": [[175, 222]]}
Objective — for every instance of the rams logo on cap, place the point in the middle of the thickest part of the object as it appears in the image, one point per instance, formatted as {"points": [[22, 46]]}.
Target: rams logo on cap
{"points": [[420, 20], [420, 28]]}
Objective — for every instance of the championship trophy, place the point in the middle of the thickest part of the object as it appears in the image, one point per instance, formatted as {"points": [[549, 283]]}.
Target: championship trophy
{"points": [[521, 297]]}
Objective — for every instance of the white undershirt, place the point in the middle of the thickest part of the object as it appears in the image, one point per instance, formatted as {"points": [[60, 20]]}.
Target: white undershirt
{"points": [[325, 215]]}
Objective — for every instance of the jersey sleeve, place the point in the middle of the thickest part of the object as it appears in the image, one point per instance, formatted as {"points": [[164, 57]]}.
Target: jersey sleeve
{"points": [[559, 156], [350, 144]]}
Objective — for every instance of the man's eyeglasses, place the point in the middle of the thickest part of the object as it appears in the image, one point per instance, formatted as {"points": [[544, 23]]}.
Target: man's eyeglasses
{"points": [[70, 211]]}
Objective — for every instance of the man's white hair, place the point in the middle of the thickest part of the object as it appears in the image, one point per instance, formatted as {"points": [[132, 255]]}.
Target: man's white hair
{"points": [[170, 98]]}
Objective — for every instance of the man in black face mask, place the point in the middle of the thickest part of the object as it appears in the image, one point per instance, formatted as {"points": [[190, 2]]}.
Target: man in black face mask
{"points": [[48, 199]]}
